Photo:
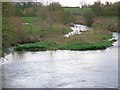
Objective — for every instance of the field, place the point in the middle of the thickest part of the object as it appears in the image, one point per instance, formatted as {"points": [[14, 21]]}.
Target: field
{"points": [[77, 10]]}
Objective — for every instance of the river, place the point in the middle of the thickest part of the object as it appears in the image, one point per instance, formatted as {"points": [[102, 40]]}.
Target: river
{"points": [[62, 69], [77, 29]]}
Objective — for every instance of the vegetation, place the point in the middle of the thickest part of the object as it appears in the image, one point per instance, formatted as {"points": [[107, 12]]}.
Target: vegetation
{"points": [[97, 10], [106, 23], [34, 26], [67, 46], [11, 26], [15, 31], [95, 40], [77, 10]]}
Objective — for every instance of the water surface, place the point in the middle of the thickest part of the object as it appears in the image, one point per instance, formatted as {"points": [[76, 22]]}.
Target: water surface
{"points": [[62, 69], [77, 29]]}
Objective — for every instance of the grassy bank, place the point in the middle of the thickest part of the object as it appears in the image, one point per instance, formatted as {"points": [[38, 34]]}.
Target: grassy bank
{"points": [[45, 37], [66, 46], [93, 41]]}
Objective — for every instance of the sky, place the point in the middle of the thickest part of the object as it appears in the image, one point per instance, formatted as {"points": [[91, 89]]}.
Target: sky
{"points": [[70, 3], [74, 3]]}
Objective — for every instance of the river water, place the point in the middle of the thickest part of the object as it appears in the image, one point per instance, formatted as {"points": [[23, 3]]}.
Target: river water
{"points": [[62, 69], [77, 29]]}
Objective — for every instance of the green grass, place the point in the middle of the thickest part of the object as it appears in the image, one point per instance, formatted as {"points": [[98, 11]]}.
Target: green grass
{"points": [[39, 27], [110, 17], [31, 19], [65, 46], [54, 38], [36, 46], [76, 42], [86, 46], [77, 10]]}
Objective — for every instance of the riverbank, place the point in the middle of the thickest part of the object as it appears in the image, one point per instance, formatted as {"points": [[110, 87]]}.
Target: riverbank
{"points": [[44, 37], [40, 36], [70, 69], [71, 46], [89, 40]]}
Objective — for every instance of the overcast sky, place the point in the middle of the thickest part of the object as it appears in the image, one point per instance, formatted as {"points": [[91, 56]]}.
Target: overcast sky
{"points": [[75, 2], [71, 3]]}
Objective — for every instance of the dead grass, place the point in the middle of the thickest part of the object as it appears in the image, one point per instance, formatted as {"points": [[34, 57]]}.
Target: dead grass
{"points": [[106, 24]]}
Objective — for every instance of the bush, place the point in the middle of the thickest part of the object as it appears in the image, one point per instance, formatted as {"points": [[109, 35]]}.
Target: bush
{"points": [[89, 18], [106, 24]]}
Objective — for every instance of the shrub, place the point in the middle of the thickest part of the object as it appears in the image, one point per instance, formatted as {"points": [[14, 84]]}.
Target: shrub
{"points": [[89, 18]]}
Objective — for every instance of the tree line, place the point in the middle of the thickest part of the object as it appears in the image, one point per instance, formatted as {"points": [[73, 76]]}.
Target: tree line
{"points": [[13, 29], [101, 10], [107, 9]]}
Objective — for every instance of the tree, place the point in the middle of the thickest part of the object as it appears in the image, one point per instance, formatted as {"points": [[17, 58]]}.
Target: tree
{"points": [[17, 9], [29, 12], [58, 15], [97, 8], [42, 12], [12, 28], [67, 18], [6, 27], [89, 18]]}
